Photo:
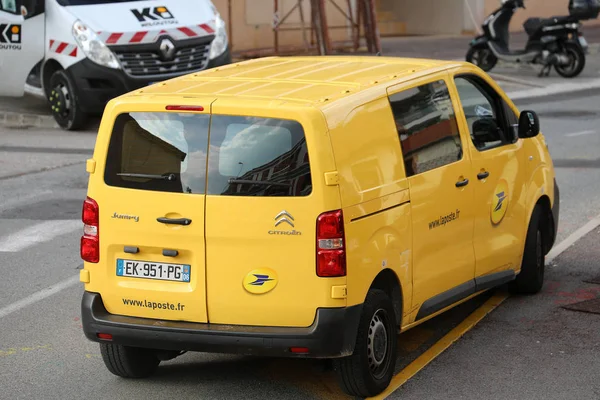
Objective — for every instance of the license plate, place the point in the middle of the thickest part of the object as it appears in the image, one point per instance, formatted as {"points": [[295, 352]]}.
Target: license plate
{"points": [[153, 270], [583, 42]]}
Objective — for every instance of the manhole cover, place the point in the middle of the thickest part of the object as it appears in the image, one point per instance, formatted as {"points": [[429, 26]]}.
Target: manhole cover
{"points": [[588, 306], [568, 114]]}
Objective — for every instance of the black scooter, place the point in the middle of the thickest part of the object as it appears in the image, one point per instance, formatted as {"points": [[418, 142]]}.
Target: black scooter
{"points": [[554, 42]]}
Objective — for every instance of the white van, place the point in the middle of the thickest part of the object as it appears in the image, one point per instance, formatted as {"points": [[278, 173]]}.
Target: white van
{"points": [[79, 54]]}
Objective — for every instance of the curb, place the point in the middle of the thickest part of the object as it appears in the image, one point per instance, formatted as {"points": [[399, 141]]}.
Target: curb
{"points": [[560, 88], [14, 120]]}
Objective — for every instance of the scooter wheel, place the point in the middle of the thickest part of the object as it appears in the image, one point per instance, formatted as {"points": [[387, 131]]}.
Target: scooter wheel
{"points": [[482, 57], [576, 61]]}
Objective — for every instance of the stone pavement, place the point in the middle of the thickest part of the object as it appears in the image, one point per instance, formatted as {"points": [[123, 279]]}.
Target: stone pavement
{"points": [[519, 81]]}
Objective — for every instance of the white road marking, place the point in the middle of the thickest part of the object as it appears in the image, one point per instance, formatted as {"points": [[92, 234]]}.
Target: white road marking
{"points": [[573, 237], [37, 296], [39, 233], [580, 133]]}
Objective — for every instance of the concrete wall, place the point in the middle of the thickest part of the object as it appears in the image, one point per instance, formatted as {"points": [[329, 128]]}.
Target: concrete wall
{"points": [[252, 20], [425, 17]]}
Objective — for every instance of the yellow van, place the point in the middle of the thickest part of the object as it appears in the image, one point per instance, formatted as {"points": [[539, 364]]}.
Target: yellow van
{"points": [[308, 207]]}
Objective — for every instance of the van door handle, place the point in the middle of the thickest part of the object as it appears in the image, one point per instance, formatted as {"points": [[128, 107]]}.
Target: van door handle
{"points": [[462, 183], [483, 175], [174, 221]]}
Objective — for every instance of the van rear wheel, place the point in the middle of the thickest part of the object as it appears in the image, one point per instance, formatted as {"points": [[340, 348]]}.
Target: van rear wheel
{"points": [[129, 362], [369, 370]]}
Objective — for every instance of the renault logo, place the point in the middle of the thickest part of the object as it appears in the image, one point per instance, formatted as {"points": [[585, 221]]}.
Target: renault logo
{"points": [[167, 49], [282, 217]]}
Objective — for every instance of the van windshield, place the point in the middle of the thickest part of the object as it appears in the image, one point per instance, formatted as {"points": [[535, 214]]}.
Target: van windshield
{"points": [[242, 156], [90, 2]]}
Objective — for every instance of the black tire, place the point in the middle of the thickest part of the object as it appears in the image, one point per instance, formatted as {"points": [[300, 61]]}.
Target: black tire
{"points": [[482, 57], [64, 102], [362, 374], [531, 278], [576, 64], [129, 362]]}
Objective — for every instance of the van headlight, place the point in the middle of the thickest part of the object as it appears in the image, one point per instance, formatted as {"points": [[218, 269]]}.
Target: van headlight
{"points": [[219, 44], [93, 47]]}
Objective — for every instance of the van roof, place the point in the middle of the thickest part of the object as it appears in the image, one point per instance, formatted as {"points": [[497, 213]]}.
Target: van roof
{"points": [[307, 80]]}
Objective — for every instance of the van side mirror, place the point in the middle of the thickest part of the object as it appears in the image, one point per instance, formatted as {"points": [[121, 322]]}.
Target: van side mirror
{"points": [[529, 125]]}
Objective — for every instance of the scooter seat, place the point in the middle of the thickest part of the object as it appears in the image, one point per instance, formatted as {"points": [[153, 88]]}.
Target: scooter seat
{"points": [[532, 25]]}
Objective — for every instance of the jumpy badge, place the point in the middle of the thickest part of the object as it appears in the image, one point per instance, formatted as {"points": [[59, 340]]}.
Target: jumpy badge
{"points": [[500, 202], [260, 281]]}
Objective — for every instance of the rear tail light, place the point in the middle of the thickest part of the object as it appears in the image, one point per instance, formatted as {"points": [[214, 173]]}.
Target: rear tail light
{"points": [[90, 241], [331, 250]]}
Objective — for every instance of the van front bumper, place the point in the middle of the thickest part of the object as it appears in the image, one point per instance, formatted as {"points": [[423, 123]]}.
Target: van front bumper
{"points": [[332, 334], [96, 85]]}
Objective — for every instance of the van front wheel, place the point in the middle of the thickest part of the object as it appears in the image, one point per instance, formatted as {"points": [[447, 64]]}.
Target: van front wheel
{"points": [[64, 102], [369, 370], [129, 362], [531, 278]]}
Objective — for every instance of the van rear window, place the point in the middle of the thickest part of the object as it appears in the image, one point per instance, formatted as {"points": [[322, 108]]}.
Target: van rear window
{"points": [[244, 156]]}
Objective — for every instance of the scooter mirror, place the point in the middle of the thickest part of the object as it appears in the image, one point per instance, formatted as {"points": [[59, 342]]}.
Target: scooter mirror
{"points": [[529, 125]]}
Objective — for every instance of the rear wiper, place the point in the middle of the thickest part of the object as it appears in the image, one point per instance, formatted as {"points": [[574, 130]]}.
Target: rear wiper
{"points": [[266, 183], [167, 177]]}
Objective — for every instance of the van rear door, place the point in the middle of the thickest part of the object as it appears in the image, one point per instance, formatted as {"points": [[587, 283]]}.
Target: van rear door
{"points": [[152, 215], [264, 194]]}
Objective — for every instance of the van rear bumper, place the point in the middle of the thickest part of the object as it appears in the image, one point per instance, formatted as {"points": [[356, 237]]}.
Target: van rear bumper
{"points": [[332, 334]]}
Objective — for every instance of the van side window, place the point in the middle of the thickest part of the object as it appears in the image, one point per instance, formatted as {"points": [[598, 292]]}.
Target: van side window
{"points": [[427, 127], [484, 111]]}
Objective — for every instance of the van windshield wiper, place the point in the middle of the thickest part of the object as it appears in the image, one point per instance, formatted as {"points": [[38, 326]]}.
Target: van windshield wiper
{"points": [[266, 183], [167, 177]]}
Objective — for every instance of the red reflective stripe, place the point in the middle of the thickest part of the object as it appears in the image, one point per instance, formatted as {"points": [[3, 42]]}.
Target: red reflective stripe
{"points": [[51, 43], [74, 52], [114, 38], [207, 28], [61, 47], [138, 37], [188, 31]]}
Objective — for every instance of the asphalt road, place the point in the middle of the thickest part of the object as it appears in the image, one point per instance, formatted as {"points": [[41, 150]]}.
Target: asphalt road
{"points": [[529, 348]]}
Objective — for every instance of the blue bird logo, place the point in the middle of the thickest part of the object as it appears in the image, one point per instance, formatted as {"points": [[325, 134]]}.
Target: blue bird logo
{"points": [[260, 280]]}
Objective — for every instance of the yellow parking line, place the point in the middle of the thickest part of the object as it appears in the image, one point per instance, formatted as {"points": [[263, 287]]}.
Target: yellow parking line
{"points": [[421, 362]]}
